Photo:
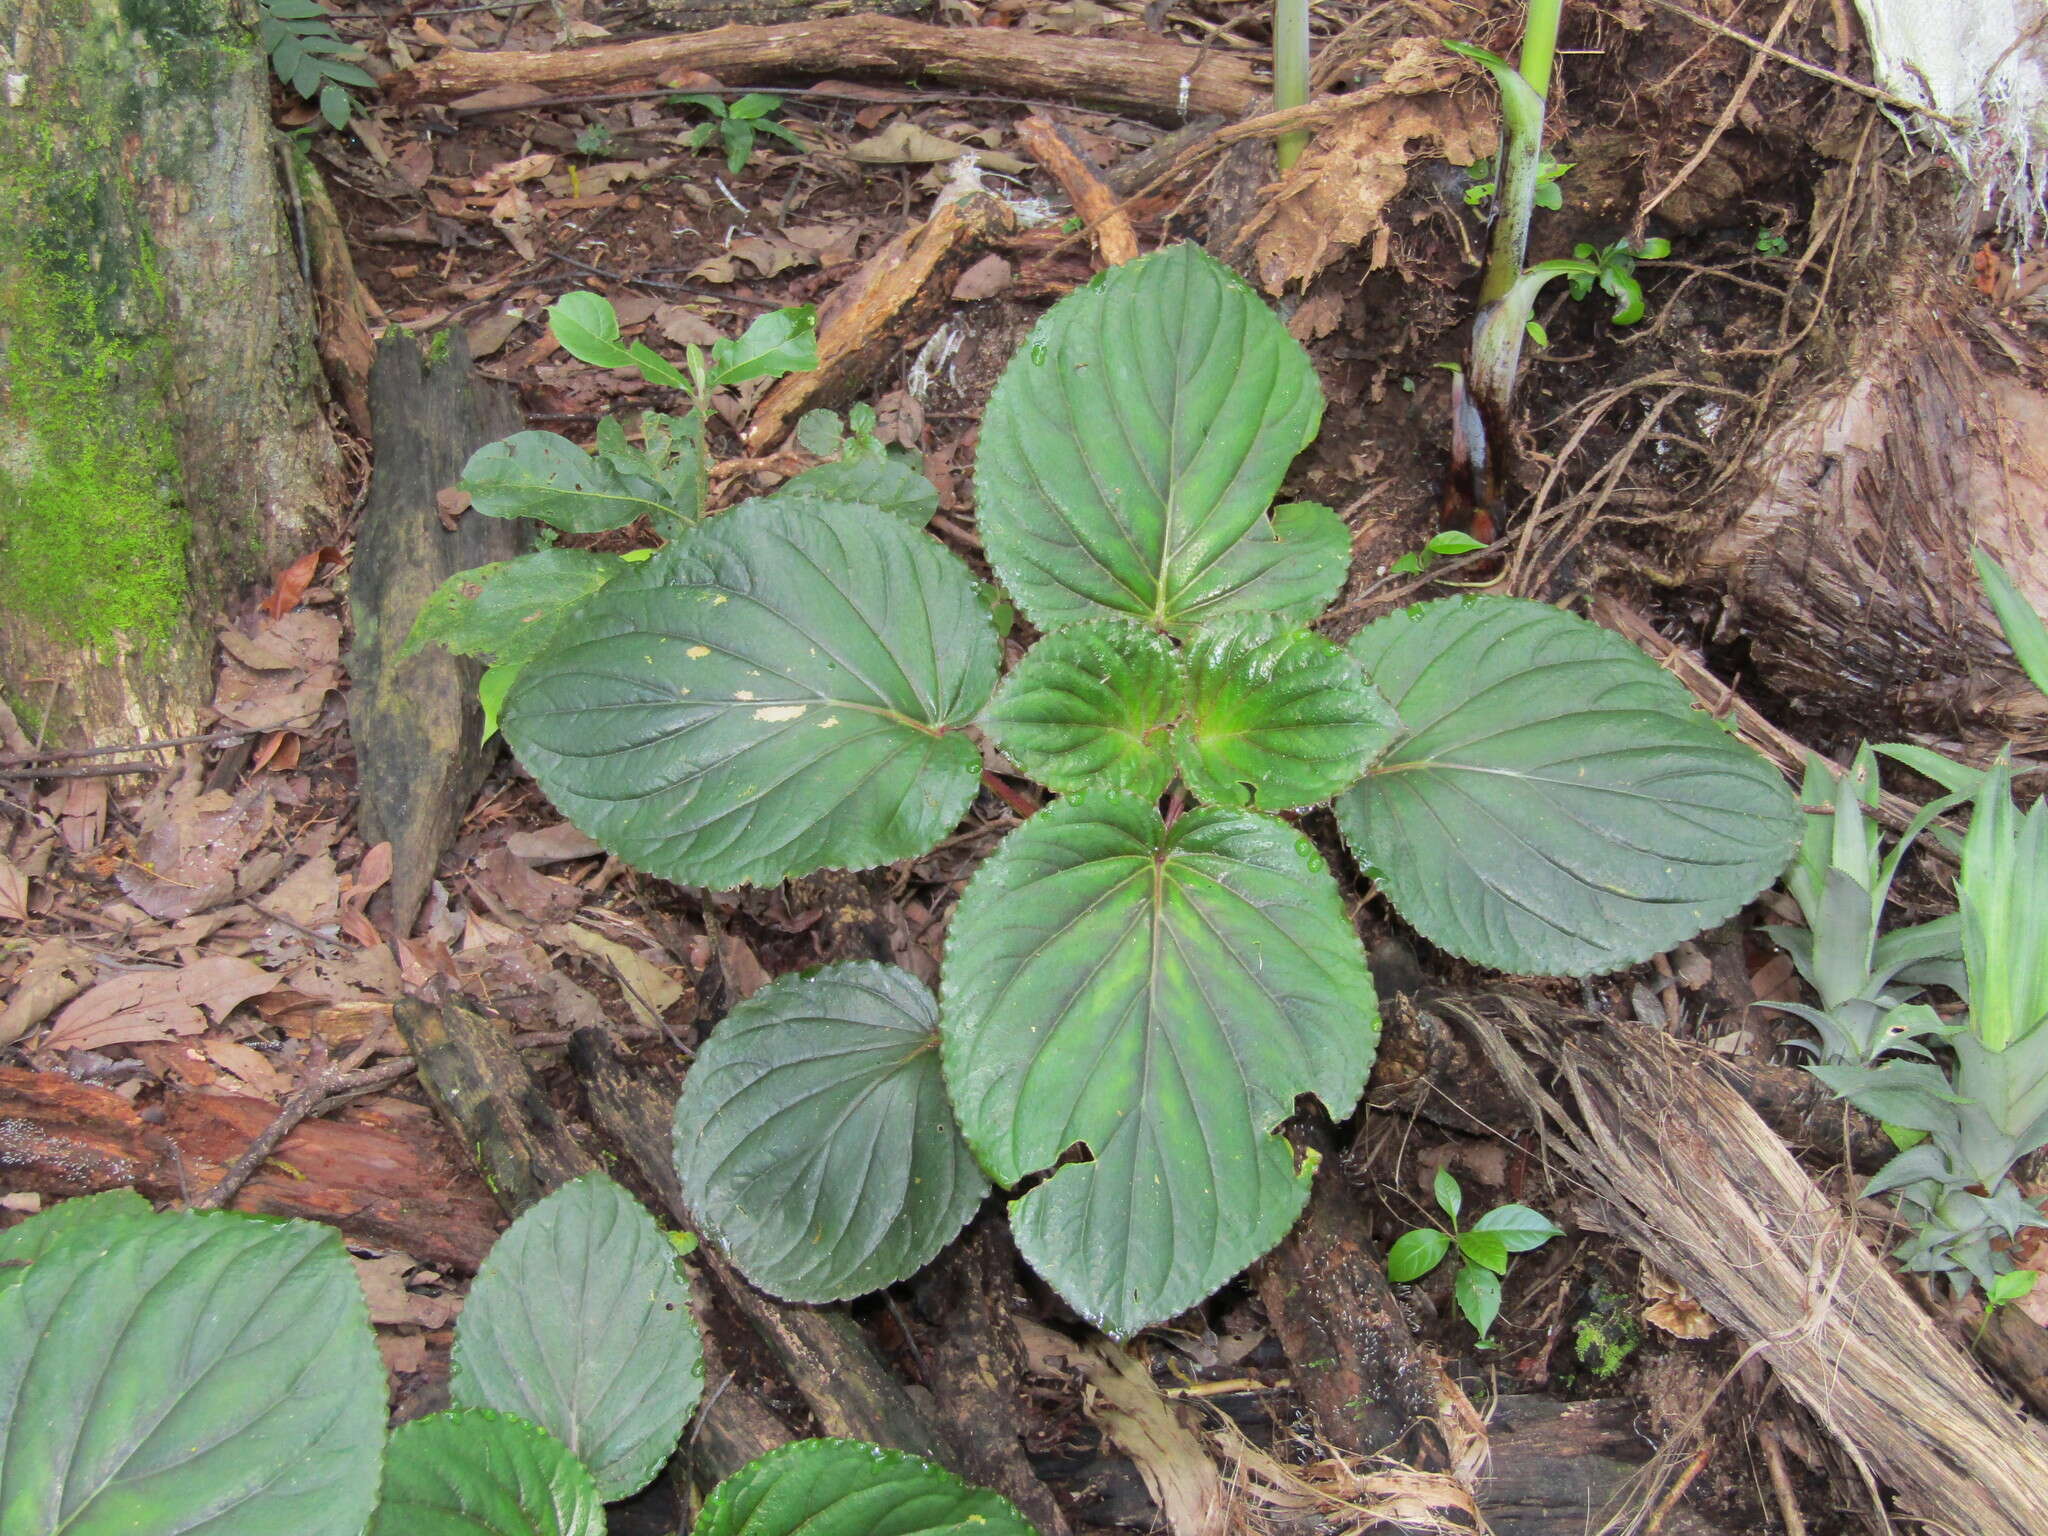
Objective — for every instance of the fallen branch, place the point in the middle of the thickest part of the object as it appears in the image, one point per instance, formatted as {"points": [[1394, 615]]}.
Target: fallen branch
{"points": [[1161, 81], [1054, 148]]}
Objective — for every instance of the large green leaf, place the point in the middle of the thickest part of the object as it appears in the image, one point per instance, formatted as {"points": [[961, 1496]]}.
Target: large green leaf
{"points": [[1277, 718], [479, 1473], [850, 1488], [1160, 995], [578, 1322], [548, 478], [875, 479], [206, 1372], [814, 1139], [1554, 803], [22, 1244], [788, 703], [509, 611], [1137, 438], [1092, 707]]}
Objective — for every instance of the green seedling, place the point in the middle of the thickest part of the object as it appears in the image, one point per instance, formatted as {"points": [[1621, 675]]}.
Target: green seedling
{"points": [[2014, 1285], [1547, 195], [807, 681], [575, 1368], [596, 139], [307, 55], [1441, 547], [736, 126], [1770, 243], [1484, 1247]]}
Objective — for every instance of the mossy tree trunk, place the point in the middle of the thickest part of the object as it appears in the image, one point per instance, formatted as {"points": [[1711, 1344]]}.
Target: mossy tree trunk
{"points": [[162, 437]]}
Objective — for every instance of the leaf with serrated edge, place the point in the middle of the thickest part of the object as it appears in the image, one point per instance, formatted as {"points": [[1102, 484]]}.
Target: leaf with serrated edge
{"points": [[205, 1372], [1092, 707], [578, 1323], [1134, 444], [508, 611], [814, 1140], [473, 1472], [851, 1488], [787, 703], [549, 479], [25, 1242], [1277, 718], [1160, 996], [876, 480], [1554, 803]]}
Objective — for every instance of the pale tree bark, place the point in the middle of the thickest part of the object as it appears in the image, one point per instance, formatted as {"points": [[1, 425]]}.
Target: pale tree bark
{"points": [[162, 432]]}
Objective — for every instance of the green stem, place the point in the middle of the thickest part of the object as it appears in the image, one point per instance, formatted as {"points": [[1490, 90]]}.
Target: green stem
{"points": [[1539, 43], [1498, 331], [1290, 71]]}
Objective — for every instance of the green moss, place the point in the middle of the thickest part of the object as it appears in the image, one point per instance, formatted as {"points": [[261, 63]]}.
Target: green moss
{"points": [[93, 530], [1607, 1334]]}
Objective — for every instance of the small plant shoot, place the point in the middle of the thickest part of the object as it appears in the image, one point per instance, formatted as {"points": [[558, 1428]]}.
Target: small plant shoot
{"points": [[1483, 1248], [1145, 976], [738, 126]]}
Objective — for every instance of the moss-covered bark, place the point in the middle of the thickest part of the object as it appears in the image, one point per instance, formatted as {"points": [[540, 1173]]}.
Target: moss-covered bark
{"points": [[161, 437]]}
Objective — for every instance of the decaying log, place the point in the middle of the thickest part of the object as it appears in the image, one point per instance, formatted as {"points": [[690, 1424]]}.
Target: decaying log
{"points": [[1557, 1467], [525, 1151], [387, 1186], [1108, 225], [972, 1356], [416, 723], [1353, 1358], [348, 349], [1165, 82], [1689, 1177], [829, 1360], [868, 320], [1852, 564]]}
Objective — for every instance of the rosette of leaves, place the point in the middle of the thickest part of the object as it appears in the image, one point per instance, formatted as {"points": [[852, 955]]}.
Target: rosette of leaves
{"points": [[1143, 979]]}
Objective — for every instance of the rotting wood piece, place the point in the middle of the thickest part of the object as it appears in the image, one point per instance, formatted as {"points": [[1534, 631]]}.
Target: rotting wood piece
{"points": [[390, 1187], [972, 1356], [525, 1151], [869, 319], [416, 723], [1053, 147], [1556, 1466], [1691, 1178], [828, 1359], [1164, 82], [1352, 1356]]}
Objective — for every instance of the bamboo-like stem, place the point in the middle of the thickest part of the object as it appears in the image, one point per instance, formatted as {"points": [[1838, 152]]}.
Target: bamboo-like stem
{"points": [[1290, 71]]}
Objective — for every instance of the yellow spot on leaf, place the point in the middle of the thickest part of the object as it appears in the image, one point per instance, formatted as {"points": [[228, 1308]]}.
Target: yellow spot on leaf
{"points": [[781, 712], [698, 652]]}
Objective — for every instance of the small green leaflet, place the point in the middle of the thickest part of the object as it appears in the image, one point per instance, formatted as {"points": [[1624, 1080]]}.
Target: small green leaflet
{"points": [[1160, 996], [850, 1488], [508, 612], [1277, 718], [1554, 803], [788, 701], [478, 1473], [577, 1322], [1092, 707], [814, 1140]]}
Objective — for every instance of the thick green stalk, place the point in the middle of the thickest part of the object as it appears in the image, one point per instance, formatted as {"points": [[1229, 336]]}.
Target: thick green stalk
{"points": [[1498, 331], [1522, 93], [1290, 71]]}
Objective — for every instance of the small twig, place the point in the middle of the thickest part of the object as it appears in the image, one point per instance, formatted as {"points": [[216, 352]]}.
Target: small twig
{"points": [[210, 739], [1007, 795], [335, 949], [322, 1084], [648, 282], [89, 771], [1721, 124]]}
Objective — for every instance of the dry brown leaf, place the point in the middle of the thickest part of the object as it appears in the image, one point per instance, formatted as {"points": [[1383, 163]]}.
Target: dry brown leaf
{"points": [[515, 217], [57, 971], [156, 1005], [551, 845], [278, 678], [649, 989], [511, 172], [192, 846], [685, 327], [744, 974], [487, 335], [80, 806], [904, 143], [310, 896], [391, 1304], [13, 892], [248, 1066], [1333, 198], [984, 280]]}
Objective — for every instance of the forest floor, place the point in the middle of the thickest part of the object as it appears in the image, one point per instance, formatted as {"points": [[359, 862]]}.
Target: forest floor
{"points": [[183, 949]]}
